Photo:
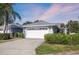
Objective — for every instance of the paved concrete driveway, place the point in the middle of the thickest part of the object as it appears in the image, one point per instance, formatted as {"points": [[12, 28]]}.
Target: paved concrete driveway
{"points": [[20, 47]]}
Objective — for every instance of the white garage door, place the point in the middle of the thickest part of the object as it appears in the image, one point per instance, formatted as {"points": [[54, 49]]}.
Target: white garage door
{"points": [[35, 33]]}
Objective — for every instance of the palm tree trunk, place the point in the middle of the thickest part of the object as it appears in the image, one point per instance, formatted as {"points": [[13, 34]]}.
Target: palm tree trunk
{"points": [[5, 22], [4, 28]]}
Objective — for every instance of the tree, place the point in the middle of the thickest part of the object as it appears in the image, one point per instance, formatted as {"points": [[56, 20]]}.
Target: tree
{"points": [[62, 26], [56, 29], [27, 22], [37, 20], [73, 26], [1, 22], [17, 23], [7, 14]]}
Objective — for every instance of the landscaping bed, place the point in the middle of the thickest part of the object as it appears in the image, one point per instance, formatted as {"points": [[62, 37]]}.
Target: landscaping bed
{"points": [[58, 43], [6, 37]]}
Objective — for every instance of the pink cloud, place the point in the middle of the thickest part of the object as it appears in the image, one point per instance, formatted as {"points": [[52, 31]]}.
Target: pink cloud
{"points": [[51, 11], [69, 8], [58, 8]]}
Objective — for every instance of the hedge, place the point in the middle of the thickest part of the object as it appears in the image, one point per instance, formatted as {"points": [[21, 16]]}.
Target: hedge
{"points": [[5, 36], [19, 35], [60, 38], [74, 39]]}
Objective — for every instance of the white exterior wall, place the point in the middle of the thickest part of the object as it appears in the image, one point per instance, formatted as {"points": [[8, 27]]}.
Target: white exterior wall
{"points": [[36, 33], [65, 30]]}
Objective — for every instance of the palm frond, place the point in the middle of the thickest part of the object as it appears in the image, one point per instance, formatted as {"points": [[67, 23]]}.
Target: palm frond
{"points": [[15, 14]]}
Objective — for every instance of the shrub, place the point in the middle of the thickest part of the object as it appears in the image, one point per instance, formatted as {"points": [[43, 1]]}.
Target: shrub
{"points": [[74, 39], [19, 35], [4, 36], [59, 38], [56, 38]]}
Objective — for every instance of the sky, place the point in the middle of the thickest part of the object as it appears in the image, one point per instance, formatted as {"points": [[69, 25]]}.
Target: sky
{"points": [[50, 12]]}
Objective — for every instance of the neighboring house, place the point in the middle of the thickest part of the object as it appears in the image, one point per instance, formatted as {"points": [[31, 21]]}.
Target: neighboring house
{"points": [[12, 28], [39, 29]]}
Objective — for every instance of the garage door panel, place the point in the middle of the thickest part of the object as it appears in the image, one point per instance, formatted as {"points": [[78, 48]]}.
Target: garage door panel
{"points": [[36, 33]]}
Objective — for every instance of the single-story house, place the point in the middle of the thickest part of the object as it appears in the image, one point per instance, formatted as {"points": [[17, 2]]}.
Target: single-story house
{"points": [[12, 28], [39, 29]]}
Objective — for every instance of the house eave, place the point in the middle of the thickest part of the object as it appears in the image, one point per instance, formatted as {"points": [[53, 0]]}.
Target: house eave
{"points": [[37, 25]]}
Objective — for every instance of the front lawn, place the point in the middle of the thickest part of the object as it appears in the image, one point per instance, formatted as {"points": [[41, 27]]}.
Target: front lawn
{"points": [[46, 48], [58, 43]]}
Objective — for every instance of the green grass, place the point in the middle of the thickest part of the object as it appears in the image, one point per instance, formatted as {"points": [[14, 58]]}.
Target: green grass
{"points": [[55, 48]]}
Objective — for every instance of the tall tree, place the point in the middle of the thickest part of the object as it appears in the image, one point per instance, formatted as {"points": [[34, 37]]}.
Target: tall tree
{"points": [[8, 14], [73, 26], [62, 26], [27, 22]]}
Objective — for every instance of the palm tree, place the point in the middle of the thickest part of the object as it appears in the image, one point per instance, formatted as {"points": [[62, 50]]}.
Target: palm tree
{"points": [[8, 14]]}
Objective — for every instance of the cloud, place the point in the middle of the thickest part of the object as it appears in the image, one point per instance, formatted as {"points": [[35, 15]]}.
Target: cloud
{"points": [[51, 11], [48, 12], [33, 10], [60, 9], [69, 8]]}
